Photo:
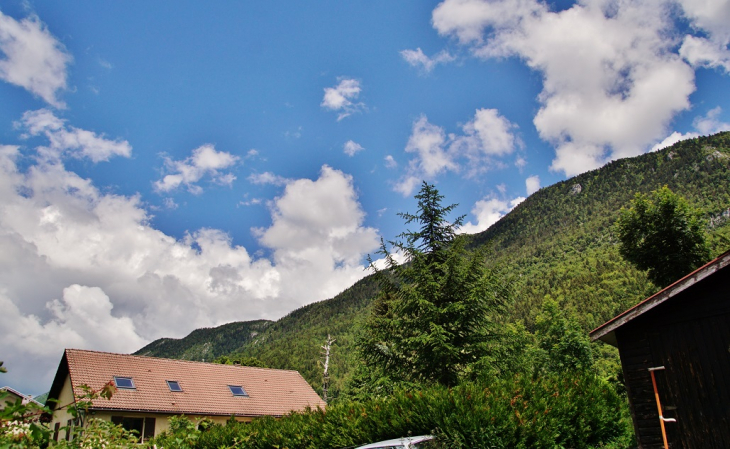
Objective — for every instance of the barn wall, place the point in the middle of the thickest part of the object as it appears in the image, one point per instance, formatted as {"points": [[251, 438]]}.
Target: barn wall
{"points": [[690, 336]]}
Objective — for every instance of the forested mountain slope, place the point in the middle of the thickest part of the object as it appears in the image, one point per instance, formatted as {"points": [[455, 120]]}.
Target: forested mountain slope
{"points": [[206, 343], [559, 243]]}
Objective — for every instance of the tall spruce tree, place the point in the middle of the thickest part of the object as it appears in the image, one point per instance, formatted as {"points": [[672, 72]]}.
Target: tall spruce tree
{"points": [[663, 234], [434, 318]]}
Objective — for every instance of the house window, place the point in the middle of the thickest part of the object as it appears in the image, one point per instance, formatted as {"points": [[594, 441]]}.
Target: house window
{"points": [[69, 429], [174, 385], [238, 390], [56, 429], [124, 382], [144, 428]]}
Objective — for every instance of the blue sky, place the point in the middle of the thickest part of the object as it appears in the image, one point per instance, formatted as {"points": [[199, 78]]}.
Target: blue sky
{"points": [[169, 166]]}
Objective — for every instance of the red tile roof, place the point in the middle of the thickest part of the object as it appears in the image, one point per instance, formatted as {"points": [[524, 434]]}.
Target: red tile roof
{"points": [[271, 392]]}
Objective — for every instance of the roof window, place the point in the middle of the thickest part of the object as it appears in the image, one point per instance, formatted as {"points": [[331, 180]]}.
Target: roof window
{"points": [[174, 385], [124, 382], [238, 390]]}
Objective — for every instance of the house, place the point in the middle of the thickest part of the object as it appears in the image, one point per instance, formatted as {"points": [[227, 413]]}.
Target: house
{"points": [[680, 337], [151, 390], [13, 395]]}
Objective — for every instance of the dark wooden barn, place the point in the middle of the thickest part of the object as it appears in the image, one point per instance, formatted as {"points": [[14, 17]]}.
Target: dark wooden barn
{"points": [[685, 329]]}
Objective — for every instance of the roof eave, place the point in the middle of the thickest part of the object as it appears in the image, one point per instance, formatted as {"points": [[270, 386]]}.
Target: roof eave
{"points": [[606, 332], [180, 412]]}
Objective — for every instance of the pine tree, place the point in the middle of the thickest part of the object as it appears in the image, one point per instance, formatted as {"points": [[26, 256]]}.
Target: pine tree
{"points": [[434, 317]]}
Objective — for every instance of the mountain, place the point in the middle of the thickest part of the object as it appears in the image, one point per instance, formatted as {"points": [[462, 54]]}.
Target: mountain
{"points": [[206, 343], [558, 243]]}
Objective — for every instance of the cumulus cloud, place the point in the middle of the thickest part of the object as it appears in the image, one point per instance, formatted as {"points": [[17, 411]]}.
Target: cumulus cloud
{"points": [[317, 233], [342, 98], [701, 52], [532, 184], [704, 125], [113, 282], [611, 78], [488, 211], [417, 58], [70, 141], [205, 160], [711, 48], [350, 148], [34, 59], [485, 138]]}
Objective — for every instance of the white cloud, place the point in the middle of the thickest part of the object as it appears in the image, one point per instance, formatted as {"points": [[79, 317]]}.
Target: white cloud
{"points": [[701, 52], [68, 140], [205, 160], [709, 124], [417, 58], [267, 178], [341, 98], [711, 16], [390, 162], [112, 282], [487, 212], [350, 148], [317, 234], [611, 81], [486, 137], [34, 59], [532, 184], [711, 48], [428, 142]]}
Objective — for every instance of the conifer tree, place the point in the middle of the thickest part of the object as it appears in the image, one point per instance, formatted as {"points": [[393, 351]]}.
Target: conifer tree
{"points": [[434, 317]]}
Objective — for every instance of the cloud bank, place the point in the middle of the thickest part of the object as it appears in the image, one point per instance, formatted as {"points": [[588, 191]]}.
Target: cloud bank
{"points": [[612, 77], [110, 281]]}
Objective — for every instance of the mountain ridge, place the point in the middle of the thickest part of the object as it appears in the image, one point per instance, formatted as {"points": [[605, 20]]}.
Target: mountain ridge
{"points": [[557, 244]]}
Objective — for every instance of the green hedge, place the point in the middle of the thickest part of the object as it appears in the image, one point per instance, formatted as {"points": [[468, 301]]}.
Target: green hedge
{"points": [[568, 410]]}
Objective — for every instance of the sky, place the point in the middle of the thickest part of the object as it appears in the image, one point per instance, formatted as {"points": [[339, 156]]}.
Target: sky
{"points": [[167, 166]]}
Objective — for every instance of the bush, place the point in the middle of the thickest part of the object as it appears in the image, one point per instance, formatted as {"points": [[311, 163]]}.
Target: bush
{"points": [[555, 410]]}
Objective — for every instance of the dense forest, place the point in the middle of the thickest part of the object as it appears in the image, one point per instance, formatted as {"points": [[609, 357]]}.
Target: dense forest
{"points": [[559, 246]]}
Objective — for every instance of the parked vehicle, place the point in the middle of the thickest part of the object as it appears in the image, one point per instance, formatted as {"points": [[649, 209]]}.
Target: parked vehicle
{"points": [[419, 442]]}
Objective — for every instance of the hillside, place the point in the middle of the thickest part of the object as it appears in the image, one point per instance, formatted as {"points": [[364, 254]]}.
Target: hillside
{"points": [[558, 243], [206, 343]]}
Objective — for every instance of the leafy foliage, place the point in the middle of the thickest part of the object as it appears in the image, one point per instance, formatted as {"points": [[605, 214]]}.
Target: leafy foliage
{"points": [[21, 427], [568, 410], [240, 360], [663, 234]]}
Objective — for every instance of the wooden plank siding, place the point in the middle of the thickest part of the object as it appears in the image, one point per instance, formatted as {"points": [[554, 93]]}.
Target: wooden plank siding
{"points": [[690, 337], [635, 355]]}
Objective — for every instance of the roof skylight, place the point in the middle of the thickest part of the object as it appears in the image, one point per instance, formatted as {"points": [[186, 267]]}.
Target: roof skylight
{"points": [[124, 382], [174, 385], [238, 390]]}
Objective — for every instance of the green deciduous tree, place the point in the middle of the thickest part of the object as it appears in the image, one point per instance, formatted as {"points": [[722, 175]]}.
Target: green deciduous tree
{"points": [[434, 318], [240, 360], [663, 234]]}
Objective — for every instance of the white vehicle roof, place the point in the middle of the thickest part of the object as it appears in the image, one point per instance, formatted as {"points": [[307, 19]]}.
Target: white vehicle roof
{"points": [[398, 443]]}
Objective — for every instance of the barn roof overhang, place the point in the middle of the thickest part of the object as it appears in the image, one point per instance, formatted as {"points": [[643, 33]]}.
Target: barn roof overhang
{"points": [[607, 331]]}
